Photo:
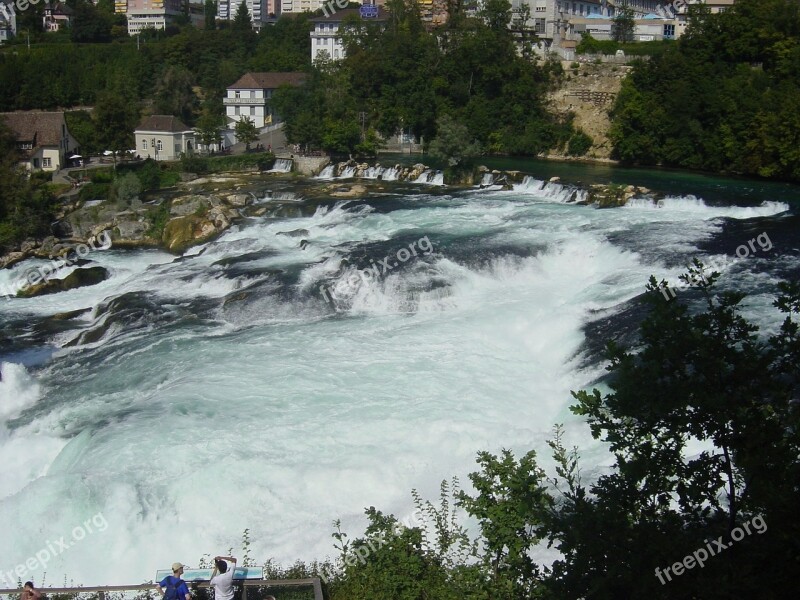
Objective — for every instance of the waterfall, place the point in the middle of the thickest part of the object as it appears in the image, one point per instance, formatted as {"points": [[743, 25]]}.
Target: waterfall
{"points": [[374, 172], [282, 165], [348, 173], [488, 179], [550, 190], [391, 174], [327, 173], [438, 179], [424, 176]]}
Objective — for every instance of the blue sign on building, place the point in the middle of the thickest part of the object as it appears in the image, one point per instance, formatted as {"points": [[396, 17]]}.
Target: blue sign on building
{"points": [[368, 11]]}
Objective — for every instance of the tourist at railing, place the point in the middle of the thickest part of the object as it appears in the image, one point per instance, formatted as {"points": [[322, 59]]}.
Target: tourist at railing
{"points": [[174, 588], [29, 592], [223, 583]]}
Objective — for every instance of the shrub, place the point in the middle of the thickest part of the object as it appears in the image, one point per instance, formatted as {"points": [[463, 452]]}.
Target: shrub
{"points": [[149, 175], [579, 144], [94, 191]]}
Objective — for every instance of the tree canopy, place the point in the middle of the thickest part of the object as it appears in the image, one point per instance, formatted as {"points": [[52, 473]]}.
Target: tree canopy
{"points": [[726, 97]]}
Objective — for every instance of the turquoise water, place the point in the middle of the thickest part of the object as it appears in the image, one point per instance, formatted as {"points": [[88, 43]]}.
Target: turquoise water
{"points": [[224, 390]]}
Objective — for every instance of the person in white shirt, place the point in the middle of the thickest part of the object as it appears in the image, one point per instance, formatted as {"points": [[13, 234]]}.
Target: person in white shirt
{"points": [[223, 583]]}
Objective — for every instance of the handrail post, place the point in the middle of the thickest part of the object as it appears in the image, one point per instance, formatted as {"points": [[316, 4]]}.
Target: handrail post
{"points": [[317, 589]]}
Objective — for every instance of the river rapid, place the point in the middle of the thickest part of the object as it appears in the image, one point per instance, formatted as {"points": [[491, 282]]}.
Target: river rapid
{"points": [[301, 368]]}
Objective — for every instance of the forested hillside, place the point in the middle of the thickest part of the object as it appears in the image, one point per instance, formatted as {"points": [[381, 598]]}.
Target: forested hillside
{"points": [[405, 76], [726, 98]]}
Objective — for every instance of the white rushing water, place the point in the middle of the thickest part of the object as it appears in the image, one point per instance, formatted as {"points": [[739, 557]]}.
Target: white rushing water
{"points": [[282, 165], [274, 412]]}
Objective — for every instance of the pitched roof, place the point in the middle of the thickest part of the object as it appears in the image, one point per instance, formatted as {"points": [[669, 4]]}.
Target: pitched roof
{"points": [[267, 81], [63, 9], [339, 15], [38, 128], [165, 123]]}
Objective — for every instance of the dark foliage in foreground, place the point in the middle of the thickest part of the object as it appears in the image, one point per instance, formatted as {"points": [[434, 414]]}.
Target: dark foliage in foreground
{"points": [[703, 423]]}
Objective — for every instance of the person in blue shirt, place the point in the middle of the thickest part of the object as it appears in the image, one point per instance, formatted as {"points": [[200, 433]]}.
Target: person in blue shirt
{"points": [[173, 587]]}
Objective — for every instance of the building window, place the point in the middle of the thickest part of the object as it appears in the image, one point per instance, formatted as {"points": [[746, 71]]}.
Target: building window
{"points": [[669, 31], [238, 94], [47, 163], [159, 146], [144, 144], [35, 163]]}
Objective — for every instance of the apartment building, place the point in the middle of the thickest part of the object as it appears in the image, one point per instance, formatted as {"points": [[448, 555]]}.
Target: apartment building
{"points": [[260, 10], [157, 14], [325, 39], [298, 6]]}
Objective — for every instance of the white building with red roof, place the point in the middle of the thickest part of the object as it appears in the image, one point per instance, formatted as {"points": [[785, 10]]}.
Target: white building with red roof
{"points": [[249, 97]]}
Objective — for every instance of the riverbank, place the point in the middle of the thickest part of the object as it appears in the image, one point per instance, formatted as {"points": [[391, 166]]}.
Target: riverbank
{"points": [[200, 208]]}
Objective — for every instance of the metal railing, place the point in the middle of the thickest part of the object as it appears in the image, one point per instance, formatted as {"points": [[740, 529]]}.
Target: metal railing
{"points": [[101, 591]]}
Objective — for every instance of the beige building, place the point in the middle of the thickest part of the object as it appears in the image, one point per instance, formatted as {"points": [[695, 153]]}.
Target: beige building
{"points": [[157, 14], [42, 137], [325, 38], [249, 97], [163, 137]]}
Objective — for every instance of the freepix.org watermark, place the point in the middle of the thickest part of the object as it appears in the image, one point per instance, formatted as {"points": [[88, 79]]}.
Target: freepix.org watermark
{"points": [[744, 251], [375, 270], [46, 272], [51, 549], [12, 8], [712, 548], [375, 543]]}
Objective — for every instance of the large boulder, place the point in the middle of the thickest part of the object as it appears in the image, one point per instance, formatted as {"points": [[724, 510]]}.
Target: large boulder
{"points": [[181, 233], [77, 279]]}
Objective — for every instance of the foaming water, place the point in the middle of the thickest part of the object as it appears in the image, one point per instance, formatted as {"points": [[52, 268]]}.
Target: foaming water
{"points": [[224, 390]]}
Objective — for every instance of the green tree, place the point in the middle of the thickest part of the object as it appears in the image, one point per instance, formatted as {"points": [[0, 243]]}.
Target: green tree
{"points": [[90, 24], [211, 15], [115, 119], [126, 189], [623, 24], [511, 499], [242, 20], [175, 95], [246, 132], [703, 425], [209, 125], [453, 143], [149, 176]]}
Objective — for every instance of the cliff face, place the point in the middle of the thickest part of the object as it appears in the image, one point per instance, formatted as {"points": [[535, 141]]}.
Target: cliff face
{"points": [[589, 90]]}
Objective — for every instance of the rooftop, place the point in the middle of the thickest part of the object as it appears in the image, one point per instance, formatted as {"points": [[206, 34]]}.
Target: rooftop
{"points": [[267, 81], [38, 128], [340, 15], [165, 123]]}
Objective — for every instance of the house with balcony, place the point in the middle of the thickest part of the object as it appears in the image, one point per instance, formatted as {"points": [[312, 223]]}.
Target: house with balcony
{"points": [[163, 137], [158, 14], [325, 38], [260, 10], [57, 16], [42, 139], [250, 95]]}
